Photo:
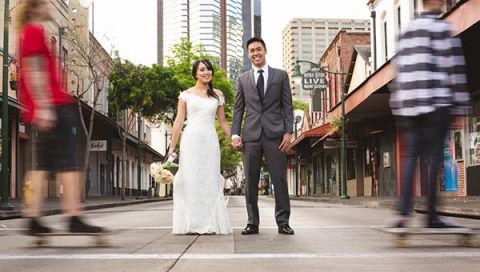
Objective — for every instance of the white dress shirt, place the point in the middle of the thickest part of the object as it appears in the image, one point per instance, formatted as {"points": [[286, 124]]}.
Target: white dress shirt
{"points": [[256, 74]]}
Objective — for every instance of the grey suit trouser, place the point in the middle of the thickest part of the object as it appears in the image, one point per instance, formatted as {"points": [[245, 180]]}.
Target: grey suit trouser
{"points": [[276, 160]]}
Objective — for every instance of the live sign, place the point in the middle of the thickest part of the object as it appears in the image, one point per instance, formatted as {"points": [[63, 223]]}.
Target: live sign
{"points": [[313, 79]]}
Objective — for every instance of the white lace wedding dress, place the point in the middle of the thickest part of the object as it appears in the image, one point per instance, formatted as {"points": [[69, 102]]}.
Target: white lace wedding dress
{"points": [[198, 201]]}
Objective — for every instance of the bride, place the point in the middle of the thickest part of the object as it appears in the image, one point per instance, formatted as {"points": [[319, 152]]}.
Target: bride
{"points": [[198, 202]]}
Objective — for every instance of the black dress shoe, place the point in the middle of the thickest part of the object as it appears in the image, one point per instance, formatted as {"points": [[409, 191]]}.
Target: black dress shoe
{"points": [[286, 229], [250, 229]]}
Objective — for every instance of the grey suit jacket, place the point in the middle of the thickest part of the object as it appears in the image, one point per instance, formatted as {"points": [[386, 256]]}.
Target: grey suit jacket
{"points": [[274, 117]]}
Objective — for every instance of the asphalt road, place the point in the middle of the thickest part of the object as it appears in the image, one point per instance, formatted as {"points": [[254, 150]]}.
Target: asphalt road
{"points": [[328, 237]]}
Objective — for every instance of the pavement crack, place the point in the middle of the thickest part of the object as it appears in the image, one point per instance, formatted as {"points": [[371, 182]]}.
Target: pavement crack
{"points": [[182, 254]]}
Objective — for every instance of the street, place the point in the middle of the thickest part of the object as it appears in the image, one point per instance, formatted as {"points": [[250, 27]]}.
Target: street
{"points": [[329, 237]]}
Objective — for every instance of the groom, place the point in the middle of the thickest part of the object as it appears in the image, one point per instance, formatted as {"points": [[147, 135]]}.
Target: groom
{"points": [[264, 93]]}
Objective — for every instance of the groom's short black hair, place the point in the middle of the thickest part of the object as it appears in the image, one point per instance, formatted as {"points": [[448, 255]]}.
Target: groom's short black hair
{"points": [[256, 39]]}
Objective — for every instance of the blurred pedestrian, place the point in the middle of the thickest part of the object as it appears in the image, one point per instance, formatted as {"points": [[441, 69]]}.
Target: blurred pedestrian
{"points": [[51, 112], [430, 90]]}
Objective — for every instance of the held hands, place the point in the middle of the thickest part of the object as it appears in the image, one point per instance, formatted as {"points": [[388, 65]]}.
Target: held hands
{"points": [[237, 143], [285, 142]]}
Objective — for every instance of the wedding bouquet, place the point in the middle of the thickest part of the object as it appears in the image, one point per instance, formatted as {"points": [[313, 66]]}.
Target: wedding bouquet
{"points": [[162, 172]]}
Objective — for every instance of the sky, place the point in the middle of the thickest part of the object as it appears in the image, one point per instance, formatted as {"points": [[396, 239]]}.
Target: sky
{"points": [[131, 26]]}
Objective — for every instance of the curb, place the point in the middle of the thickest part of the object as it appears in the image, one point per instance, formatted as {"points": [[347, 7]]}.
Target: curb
{"points": [[468, 213], [53, 211], [454, 212]]}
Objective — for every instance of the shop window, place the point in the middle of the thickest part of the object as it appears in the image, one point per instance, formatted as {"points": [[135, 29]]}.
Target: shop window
{"points": [[351, 165], [458, 145], [368, 163], [475, 136]]}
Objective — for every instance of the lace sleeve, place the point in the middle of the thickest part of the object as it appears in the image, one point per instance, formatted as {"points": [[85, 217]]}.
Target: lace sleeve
{"points": [[183, 96], [221, 100]]}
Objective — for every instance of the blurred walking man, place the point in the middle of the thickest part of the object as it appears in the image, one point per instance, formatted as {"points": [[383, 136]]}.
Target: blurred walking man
{"points": [[52, 113], [430, 89]]}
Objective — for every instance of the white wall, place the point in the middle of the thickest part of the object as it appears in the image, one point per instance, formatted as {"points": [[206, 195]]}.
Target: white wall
{"points": [[386, 11], [157, 137], [360, 73]]}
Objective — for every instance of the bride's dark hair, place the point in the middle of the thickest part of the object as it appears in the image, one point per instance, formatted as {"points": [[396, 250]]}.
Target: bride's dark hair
{"points": [[210, 91]]}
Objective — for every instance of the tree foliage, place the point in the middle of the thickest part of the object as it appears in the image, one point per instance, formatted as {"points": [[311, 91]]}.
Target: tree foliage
{"points": [[299, 105], [152, 91]]}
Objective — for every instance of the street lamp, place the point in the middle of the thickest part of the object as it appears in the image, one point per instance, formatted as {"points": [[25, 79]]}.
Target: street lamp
{"points": [[298, 119], [166, 151], [139, 153], [5, 153], [297, 77]]}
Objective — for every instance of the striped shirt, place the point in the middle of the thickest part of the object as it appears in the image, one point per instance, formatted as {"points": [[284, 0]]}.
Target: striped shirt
{"points": [[430, 69]]}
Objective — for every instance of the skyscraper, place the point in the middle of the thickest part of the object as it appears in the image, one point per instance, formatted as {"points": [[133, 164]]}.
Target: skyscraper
{"points": [[252, 25], [214, 24]]}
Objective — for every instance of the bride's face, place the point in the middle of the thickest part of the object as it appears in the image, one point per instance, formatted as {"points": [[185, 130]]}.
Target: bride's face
{"points": [[204, 75]]}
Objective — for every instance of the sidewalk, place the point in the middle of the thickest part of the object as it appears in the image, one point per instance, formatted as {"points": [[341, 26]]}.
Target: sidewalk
{"points": [[52, 206], [466, 207]]}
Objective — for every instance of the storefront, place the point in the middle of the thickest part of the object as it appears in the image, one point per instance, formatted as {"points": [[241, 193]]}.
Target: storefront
{"points": [[17, 149], [468, 139]]}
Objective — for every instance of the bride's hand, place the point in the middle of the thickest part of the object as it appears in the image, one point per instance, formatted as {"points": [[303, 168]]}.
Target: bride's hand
{"points": [[237, 144]]}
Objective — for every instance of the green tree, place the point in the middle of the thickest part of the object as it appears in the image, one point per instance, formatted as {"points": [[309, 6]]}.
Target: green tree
{"points": [[299, 105], [184, 54], [138, 89]]}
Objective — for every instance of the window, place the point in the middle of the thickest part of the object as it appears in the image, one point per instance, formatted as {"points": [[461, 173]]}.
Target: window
{"points": [[351, 165], [64, 68], [450, 4], [399, 18], [319, 177], [53, 46], [368, 162], [415, 8], [385, 39]]}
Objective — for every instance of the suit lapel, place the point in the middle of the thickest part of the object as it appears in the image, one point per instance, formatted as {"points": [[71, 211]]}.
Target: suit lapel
{"points": [[251, 78], [271, 74]]}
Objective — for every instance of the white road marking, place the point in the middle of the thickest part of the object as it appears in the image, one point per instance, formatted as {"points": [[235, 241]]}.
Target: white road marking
{"points": [[373, 227], [466, 254]]}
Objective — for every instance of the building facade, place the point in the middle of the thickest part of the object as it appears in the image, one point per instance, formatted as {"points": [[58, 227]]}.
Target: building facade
{"points": [[308, 38], [252, 26]]}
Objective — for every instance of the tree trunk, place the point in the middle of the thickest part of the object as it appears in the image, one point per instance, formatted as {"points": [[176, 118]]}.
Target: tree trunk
{"points": [[88, 134]]}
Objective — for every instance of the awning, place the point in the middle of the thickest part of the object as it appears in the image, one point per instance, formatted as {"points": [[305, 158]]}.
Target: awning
{"points": [[329, 133], [316, 132], [12, 102], [108, 124]]}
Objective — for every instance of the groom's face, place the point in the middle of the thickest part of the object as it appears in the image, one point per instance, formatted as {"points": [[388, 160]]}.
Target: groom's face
{"points": [[256, 53]]}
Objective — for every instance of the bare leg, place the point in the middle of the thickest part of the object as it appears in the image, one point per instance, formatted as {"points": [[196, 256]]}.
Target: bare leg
{"points": [[37, 178], [71, 192], [71, 203]]}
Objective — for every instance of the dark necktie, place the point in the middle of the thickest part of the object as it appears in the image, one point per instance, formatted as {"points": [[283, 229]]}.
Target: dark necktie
{"points": [[260, 85]]}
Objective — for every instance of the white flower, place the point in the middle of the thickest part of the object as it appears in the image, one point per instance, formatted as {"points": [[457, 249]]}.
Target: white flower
{"points": [[166, 177], [154, 168]]}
